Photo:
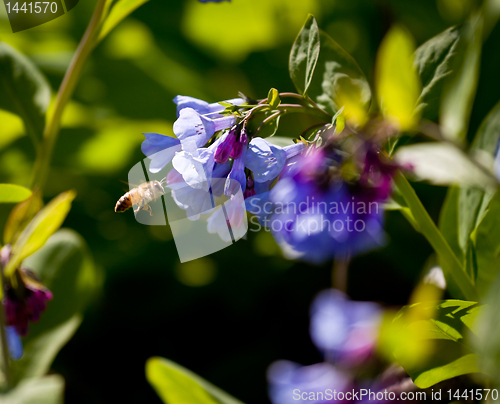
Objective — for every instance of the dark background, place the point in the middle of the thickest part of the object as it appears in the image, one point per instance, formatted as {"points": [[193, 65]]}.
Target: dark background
{"points": [[251, 305]]}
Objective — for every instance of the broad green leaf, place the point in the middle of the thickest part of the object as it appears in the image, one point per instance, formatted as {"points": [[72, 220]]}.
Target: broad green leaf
{"points": [[120, 10], [23, 90], [433, 61], [398, 85], [273, 98], [460, 90], [11, 193], [38, 231], [446, 324], [443, 164], [177, 385], [304, 55], [20, 216], [486, 340], [338, 81], [65, 266], [43, 390]]}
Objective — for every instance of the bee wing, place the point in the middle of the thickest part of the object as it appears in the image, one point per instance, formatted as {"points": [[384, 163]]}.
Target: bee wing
{"points": [[132, 185]]}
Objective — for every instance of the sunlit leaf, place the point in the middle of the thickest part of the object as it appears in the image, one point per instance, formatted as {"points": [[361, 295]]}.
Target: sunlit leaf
{"points": [[43, 225], [23, 89], [177, 385], [20, 216], [437, 332], [397, 82], [273, 98], [43, 390], [338, 80], [442, 164], [120, 10], [434, 62], [66, 267], [11, 193], [459, 92], [304, 55]]}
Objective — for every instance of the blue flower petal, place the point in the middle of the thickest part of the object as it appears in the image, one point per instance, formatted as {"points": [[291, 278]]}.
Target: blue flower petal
{"points": [[264, 159], [14, 343], [155, 142]]}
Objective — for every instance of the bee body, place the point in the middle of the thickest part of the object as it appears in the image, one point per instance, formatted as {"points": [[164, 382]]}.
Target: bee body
{"points": [[141, 196]]}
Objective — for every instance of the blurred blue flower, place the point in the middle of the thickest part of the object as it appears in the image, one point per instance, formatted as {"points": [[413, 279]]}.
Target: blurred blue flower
{"points": [[318, 215], [13, 343], [267, 160], [191, 126], [289, 382], [344, 330], [160, 149], [202, 107]]}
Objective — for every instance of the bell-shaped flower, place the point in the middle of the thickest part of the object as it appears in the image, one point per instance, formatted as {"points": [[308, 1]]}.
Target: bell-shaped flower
{"points": [[289, 383], [267, 160], [344, 330], [160, 149], [202, 107], [196, 164], [237, 176], [191, 125]]}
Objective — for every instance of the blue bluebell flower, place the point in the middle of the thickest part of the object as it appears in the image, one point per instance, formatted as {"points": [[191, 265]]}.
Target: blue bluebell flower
{"points": [[231, 216], [160, 149], [191, 126], [345, 331], [202, 107], [267, 160], [237, 176], [290, 383], [196, 164]]}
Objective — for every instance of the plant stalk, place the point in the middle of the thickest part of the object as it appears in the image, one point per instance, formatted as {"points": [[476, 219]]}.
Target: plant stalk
{"points": [[3, 338], [449, 262], [65, 93]]}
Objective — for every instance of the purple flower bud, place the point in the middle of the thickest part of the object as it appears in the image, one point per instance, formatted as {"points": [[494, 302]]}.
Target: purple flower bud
{"points": [[239, 145], [225, 148]]}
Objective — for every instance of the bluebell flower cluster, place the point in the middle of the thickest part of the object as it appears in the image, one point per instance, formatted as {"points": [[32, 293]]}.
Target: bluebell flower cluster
{"points": [[327, 202], [346, 332]]}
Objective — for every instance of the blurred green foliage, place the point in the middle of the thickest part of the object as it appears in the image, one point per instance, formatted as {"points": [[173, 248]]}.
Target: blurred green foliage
{"points": [[228, 316]]}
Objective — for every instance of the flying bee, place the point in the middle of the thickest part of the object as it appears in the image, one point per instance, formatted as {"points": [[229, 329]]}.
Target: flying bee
{"points": [[141, 196]]}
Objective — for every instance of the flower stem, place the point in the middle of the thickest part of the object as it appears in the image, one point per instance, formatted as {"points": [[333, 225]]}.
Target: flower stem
{"points": [[65, 93], [449, 262], [339, 272]]}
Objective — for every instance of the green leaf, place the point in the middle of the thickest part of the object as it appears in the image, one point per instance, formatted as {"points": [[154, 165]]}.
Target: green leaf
{"points": [[443, 164], [397, 82], [446, 326], [43, 225], [338, 81], [11, 193], [20, 216], [43, 390], [434, 62], [273, 98], [486, 340], [178, 385], [66, 267], [459, 92], [304, 55], [23, 90], [121, 9]]}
